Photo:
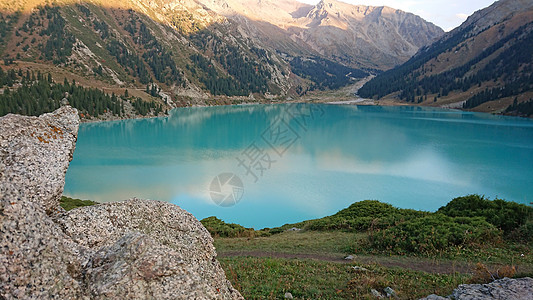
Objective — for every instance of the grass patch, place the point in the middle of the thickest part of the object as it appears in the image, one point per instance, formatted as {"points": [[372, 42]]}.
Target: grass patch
{"points": [[70, 203], [327, 243], [271, 278]]}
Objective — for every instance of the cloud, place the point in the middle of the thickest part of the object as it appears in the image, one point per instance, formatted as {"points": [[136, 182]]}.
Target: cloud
{"points": [[462, 16]]}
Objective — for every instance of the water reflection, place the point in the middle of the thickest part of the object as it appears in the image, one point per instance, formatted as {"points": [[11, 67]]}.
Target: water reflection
{"points": [[408, 156]]}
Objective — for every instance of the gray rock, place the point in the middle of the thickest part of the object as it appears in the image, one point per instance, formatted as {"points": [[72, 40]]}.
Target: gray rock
{"points": [[288, 296], [502, 289], [389, 292], [37, 260], [376, 293], [294, 229], [359, 269], [506, 288], [133, 249], [138, 267], [434, 297], [34, 156], [349, 257], [166, 223]]}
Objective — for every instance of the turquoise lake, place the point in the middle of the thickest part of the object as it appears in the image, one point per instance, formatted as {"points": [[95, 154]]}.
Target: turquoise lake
{"points": [[287, 163]]}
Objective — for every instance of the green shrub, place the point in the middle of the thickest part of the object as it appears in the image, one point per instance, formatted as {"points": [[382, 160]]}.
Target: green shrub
{"points": [[523, 234], [365, 215], [219, 228], [70, 203], [505, 215], [433, 233]]}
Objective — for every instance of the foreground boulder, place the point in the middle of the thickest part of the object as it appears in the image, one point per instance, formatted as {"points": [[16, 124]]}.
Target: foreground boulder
{"points": [[166, 224], [132, 249], [502, 289], [37, 260], [34, 155]]}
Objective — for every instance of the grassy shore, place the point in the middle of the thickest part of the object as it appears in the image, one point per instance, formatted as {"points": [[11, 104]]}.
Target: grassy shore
{"points": [[470, 240]]}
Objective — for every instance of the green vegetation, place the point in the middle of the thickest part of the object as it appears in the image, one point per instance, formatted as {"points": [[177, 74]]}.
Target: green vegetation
{"points": [[433, 234], [216, 83], [246, 75], [271, 278], [145, 107], [60, 42], [70, 203], [364, 215], [325, 73], [219, 228], [332, 244], [512, 67], [38, 95], [402, 76], [511, 217], [438, 251], [131, 62], [524, 109], [6, 26], [415, 253], [470, 222]]}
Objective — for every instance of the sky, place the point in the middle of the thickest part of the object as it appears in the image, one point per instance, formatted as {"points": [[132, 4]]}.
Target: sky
{"points": [[447, 14]]}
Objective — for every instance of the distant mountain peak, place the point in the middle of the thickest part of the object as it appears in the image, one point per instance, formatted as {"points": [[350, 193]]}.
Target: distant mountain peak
{"points": [[484, 64]]}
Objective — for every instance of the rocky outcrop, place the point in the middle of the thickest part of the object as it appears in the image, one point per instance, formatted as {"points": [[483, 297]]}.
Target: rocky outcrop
{"points": [[355, 35], [166, 224], [34, 156], [125, 250], [502, 289], [36, 259]]}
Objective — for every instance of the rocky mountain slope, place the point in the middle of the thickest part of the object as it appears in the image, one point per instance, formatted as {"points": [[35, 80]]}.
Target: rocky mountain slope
{"points": [[485, 64], [135, 249], [173, 52], [356, 35]]}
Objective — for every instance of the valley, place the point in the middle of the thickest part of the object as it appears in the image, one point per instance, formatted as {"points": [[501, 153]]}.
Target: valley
{"points": [[268, 150]]}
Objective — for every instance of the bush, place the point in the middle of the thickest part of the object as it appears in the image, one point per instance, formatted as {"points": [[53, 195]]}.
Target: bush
{"points": [[434, 233], [219, 228], [364, 215], [523, 234], [505, 215]]}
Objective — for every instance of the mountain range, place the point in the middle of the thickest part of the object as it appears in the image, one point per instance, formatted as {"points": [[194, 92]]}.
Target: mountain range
{"points": [[486, 64], [131, 57], [204, 51]]}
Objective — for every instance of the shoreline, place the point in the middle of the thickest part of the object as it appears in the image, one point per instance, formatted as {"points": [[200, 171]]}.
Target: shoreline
{"points": [[357, 102]]}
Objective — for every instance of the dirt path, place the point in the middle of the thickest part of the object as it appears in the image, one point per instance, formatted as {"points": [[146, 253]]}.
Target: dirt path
{"points": [[412, 263]]}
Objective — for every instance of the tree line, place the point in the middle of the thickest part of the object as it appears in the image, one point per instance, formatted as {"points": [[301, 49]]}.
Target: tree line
{"points": [[60, 42], [38, 94], [246, 75], [513, 66], [325, 73]]}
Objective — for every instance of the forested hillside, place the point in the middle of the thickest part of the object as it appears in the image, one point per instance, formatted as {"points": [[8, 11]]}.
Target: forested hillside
{"points": [[34, 94], [197, 52], [483, 69], [187, 51]]}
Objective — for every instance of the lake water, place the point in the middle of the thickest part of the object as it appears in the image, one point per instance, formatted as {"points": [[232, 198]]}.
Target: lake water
{"points": [[287, 163]]}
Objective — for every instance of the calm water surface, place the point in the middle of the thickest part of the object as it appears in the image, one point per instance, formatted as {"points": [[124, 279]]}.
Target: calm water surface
{"points": [[305, 161]]}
